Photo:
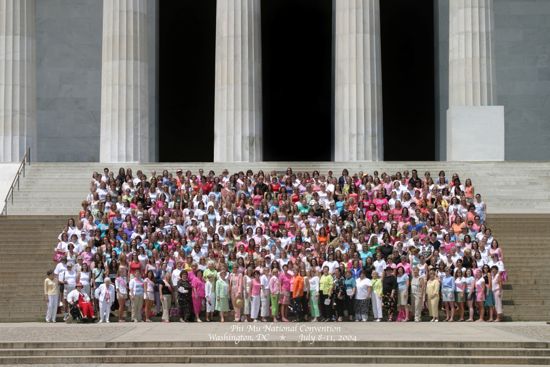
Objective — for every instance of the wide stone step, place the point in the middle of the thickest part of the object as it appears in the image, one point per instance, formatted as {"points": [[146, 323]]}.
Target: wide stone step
{"points": [[281, 359], [306, 350]]}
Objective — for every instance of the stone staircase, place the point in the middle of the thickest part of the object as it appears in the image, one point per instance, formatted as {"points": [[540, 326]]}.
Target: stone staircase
{"points": [[507, 187], [525, 243], [26, 248], [282, 353]]}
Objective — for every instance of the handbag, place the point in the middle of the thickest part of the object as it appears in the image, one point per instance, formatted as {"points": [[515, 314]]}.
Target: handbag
{"points": [[58, 255], [174, 312]]}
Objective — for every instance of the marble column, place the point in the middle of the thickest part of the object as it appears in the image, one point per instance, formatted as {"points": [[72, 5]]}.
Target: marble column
{"points": [[475, 126], [471, 62], [124, 82], [238, 89], [17, 79], [358, 81]]}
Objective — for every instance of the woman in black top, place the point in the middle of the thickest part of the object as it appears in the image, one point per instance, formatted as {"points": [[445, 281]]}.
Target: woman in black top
{"points": [[368, 268], [339, 294], [185, 300], [389, 292]]}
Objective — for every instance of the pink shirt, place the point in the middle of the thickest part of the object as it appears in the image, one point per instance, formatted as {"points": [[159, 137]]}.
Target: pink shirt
{"points": [[274, 285], [256, 287], [285, 282]]}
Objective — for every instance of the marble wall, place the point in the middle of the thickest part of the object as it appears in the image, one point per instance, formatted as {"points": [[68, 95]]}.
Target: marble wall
{"points": [[522, 54], [68, 58]]}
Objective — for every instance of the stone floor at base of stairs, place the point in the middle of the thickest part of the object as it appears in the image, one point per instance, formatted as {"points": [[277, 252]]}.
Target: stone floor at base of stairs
{"points": [[426, 331]]}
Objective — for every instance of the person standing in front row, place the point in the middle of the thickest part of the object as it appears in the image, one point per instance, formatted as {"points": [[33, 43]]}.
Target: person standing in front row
{"points": [[51, 296], [222, 294], [376, 296], [210, 293], [432, 292], [137, 290], [418, 291], [264, 294], [106, 296], [185, 300], [325, 294], [274, 291]]}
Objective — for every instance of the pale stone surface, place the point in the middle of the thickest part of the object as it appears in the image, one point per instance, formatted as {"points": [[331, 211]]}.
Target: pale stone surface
{"points": [[471, 62], [7, 174], [475, 133], [124, 83], [370, 331], [68, 79], [17, 79], [238, 87], [522, 53], [358, 81]]}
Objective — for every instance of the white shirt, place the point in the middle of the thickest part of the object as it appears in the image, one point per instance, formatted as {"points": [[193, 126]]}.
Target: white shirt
{"points": [[175, 277], [68, 277], [73, 295], [379, 266], [362, 286], [102, 291]]}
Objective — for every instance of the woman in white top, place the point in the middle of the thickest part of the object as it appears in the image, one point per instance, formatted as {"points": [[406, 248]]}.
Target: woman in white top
{"points": [[363, 288], [313, 293], [84, 279]]}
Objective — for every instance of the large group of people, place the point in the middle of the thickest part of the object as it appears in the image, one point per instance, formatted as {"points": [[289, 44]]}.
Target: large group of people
{"points": [[277, 246]]}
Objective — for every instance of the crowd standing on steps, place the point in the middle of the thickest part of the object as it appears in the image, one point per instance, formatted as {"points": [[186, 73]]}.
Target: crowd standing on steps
{"points": [[277, 246]]}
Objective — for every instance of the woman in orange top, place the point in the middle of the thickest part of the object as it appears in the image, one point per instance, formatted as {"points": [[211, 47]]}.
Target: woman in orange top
{"points": [[322, 237], [298, 294]]}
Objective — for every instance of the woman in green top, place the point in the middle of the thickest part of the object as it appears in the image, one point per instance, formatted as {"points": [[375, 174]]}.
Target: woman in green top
{"points": [[222, 293], [325, 294], [376, 298]]}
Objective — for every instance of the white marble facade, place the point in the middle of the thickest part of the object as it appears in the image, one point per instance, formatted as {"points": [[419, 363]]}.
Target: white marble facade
{"points": [[124, 82], [358, 81], [126, 132], [17, 79], [474, 123], [238, 87]]}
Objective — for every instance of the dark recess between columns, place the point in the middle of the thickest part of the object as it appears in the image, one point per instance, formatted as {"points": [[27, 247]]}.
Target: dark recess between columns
{"points": [[297, 79], [407, 30], [187, 43]]}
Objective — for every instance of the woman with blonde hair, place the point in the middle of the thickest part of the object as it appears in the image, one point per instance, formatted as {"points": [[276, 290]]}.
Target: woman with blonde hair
{"points": [[432, 292]]}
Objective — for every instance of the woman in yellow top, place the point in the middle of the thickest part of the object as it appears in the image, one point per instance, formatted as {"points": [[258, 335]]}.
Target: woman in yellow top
{"points": [[376, 296], [325, 294], [432, 292], [51, 296]]}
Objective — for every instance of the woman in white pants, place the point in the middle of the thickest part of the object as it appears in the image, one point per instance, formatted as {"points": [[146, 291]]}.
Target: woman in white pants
{"points": [[51, 296], [255, 293], [105, 294], [496, 285], [376, 296]]}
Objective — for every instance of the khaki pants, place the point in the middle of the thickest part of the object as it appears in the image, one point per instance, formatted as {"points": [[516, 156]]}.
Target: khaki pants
{"points": [[137, 306], [433, 306], [417, 303], [166, 303]]}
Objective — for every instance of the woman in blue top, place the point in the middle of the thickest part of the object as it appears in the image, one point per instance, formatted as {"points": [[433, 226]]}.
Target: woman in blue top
{"points": [[448, 289], [402, 294], [349, 283]]}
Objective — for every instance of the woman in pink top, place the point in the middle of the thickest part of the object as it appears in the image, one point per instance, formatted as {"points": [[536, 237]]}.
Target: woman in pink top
{"points": [[284, 298], [274, 290], [255, 296], [198, 294], [236, 291], [480, 294]]}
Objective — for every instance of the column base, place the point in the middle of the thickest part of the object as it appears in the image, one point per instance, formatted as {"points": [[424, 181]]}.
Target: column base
{"points": [[475, 133]]}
